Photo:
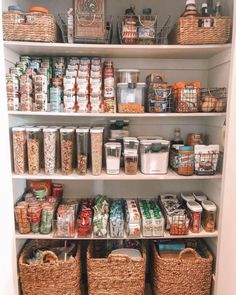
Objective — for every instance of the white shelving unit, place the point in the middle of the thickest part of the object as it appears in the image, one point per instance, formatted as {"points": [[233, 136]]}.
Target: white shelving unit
{"points": [[212, 65]]}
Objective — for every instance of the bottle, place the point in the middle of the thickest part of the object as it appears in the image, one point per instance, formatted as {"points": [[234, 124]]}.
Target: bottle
{"points": [[218, 11], [177, 137], [210, 7], [190, 9], [204, 10]]}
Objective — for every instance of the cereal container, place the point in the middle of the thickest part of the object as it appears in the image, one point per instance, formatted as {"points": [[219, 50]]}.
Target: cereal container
{"points": [[131, 164], [96, 149], [33, 149], [19, 150], [82, 140], [50, 136], [195, 212], [113, 152], [67, 147], [209, 216]]}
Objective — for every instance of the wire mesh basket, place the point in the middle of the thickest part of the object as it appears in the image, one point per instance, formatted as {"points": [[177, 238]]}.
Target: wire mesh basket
{"points": [[142, 30], [159, 99], [213, 99]]}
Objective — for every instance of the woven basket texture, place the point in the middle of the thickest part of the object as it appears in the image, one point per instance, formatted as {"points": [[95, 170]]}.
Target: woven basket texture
{"points": [[29, 27], [115, 275], [187, 274], [60, 278]]}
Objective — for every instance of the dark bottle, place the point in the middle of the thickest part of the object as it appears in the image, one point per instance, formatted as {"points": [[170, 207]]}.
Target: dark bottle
{"points": [[210, 7], [177, 137], [204, 10], [218, 10]]}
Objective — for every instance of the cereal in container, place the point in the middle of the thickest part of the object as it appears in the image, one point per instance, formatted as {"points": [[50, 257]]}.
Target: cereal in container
{"points": [[50, 135], [67, 147], [33, 149], [195, 212], [209, 216], [19, 150], [96, 149], [82, 140]]}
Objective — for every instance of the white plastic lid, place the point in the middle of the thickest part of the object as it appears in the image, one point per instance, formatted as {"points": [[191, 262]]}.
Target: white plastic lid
{"points": [[204, 4], [130, 139], [18, 129], [149, 142], [82, 130], [50, 129], [67, 130], [113, 145], [187, 197], [128, 70], [209, 206], [200, 198], [194, 206], [33, 129], [149, 137], [97, 130], [188, 2]]}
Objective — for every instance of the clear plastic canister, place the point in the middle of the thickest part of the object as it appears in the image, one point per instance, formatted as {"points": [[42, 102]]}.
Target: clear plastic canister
{"points": [[82, 141], [131, 164], [113, 152], [33, 149], [67, 147], [195, 212], [50, 135], [19, 150], [130, 145], [96, 149], [58, 146], [209, 216]]}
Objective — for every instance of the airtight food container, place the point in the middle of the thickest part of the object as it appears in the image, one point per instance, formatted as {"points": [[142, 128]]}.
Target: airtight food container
{"points": [[195, 212], [128, 75], [209, 216]]}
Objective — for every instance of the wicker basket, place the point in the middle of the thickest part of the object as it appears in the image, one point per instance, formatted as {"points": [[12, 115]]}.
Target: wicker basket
{"points": [[61, 278], [188, 31], [115, 275], [187, 274], [29, 27]]}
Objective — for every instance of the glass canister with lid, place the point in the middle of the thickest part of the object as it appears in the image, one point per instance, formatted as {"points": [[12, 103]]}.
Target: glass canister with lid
{"points": [[209, 216], [195, 212], [131, 145], [96, 149], [19, 150], [49, 142]]}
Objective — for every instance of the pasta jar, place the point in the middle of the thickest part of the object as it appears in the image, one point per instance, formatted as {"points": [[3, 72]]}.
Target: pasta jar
{"points": [[19, 150], [50, 135], [186, 161], [195, 212], [67, 147], [96, 149], [209, 216], [33, 149]]}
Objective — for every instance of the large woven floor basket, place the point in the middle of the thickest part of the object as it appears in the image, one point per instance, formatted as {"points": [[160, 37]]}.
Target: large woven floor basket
{"points": [[115, 275], [188, 31], [29, 27], [59, 278], [188, 274]]}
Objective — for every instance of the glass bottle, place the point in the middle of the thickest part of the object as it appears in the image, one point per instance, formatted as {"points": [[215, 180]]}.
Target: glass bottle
{"points": [[204, 10], [177, 137], [190, 9], [210, 7], [218, 10]]}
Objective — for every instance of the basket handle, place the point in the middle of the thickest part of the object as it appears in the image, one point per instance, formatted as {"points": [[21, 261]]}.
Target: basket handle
{"points": [[190, 251], [118, 257], [151, 25], [86, 25]]}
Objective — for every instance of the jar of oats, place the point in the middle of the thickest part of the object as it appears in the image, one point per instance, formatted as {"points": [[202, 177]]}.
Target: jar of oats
{"points": [[67, 147], [19, 149], [96, 149], [49, 141], [33, 149]]}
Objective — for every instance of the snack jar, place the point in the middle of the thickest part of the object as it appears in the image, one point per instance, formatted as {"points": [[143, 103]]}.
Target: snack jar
{"points": [[67, 147], [113, 152], [195, 212], [33, 149], [186, 161], [50, 135], [19, 150], [131, 163], [82, 141], [209, 216], [96, 149]]}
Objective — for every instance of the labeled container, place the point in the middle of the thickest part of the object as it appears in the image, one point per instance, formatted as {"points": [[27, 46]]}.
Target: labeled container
{"points": [[128, 76], [195, 212], [209, 216], [67, 147], [96, 149], [131, 164], [186, 161], [130, 97], [119, 129], [154, 156], [49, 140], [19, 150], [82, 141], [113, 152], [131, 145], [33, 149]]}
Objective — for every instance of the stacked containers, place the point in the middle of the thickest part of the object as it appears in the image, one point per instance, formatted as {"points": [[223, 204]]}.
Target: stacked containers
{"points": [[69, 97], [96, 103], [12, 88], [19, 150], [40, 92], [56, 91], [96, 149], [33, 149], [82, 140], [83, 85], [109, 88]]}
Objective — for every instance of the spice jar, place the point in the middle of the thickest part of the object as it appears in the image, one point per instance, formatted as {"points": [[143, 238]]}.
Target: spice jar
{"points": [[33, 149], [50, 135], [82, 137], [209, 216], [113, 152], [195, 211], [186, 161], [19, 150], [67, 147], [96, 149], [131, 164]]}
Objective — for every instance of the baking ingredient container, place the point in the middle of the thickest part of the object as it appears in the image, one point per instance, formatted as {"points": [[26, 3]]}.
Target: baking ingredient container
{"points": [[19, 150], [33, 149], [209, 216], [67, 147], [113, 152], [96, 149], [82, 141], [128, 76], [50, 135], [195, 211]]}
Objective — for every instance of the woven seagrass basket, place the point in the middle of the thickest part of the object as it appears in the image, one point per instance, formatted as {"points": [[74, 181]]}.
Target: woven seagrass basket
{"points": [[29, 27], [59, 278], [116, 274]]}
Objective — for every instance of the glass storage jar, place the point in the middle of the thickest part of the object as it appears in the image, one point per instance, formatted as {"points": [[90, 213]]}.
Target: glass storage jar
{"points": [[19, 150], [131, 164], [49, 141]]}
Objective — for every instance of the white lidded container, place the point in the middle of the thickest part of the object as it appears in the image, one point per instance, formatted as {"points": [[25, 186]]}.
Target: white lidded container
{"points": [[200, 197], [113, 152], [195, 211], [187, 197], [131, 145], [154, 156], [209, 216]]}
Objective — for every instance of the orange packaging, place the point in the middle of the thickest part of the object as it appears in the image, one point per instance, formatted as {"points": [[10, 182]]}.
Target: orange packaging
{"points": [[41, 185]]}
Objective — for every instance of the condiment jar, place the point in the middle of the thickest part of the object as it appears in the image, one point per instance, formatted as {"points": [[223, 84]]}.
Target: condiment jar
{"points": [[195, 211], [186, 161], [209, 216]]}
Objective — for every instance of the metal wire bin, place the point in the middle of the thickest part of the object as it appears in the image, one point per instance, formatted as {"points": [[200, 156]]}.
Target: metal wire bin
{"points": [[91, 29], [186, 99], [213, 99], [142, 30], [159, 100]]}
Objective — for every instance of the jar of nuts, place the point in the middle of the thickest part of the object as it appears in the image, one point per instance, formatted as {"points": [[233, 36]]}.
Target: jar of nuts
{"points": [[67, 147], [19, 150], [49, 140], [96, 149], [82, 137], [33, 149]]}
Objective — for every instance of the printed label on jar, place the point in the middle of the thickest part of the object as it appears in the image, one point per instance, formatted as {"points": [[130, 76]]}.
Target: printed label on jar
{"points": [[109, 92], [109, 105], [109, 82]]}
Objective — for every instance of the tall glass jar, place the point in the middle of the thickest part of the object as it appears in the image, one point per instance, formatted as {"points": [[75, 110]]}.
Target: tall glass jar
{"points": [[33, 149], [96, 149], [19, 150], [67, 146], [50, 135], [82, 140]]}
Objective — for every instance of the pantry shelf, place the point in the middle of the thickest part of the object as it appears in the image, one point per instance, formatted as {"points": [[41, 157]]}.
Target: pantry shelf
{"points": [[115, 115], [171, 175], [117, 50], [202, 234]]}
